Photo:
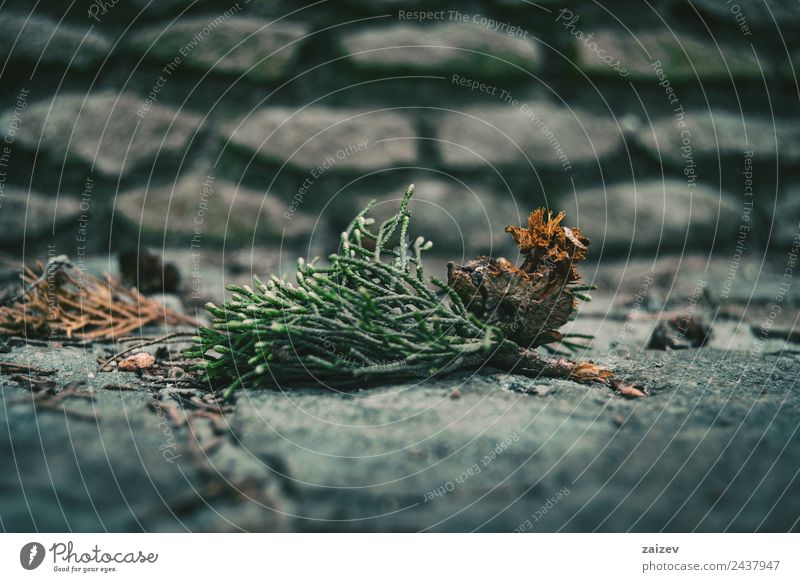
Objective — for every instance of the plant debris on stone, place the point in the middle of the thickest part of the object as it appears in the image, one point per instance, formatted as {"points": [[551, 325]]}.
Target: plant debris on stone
{"points": [[528, 304], [60, 300], [370, 314], [791, 335], [48, 395], [680, 333], [144, 270]]}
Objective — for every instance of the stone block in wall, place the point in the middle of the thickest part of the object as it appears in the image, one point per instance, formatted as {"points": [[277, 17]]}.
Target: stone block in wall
{"points": [[525, 134], [35, 38], [105, 130], [447, 47], [320, 139], [31, 215], [524, 3], [652, 214], [632, 55], [234, 45], [678, 142], [383, 5], [786, 228], [163, 6], [743, 15], [200, 209]]}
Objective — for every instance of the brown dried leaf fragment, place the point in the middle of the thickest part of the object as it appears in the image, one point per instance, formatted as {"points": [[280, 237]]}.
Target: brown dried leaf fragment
{"points": [[531, 302], [626, 390], [588, 372]]}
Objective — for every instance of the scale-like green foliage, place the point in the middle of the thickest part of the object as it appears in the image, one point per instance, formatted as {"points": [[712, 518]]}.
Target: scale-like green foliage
{"points": [[366, 316], [370, 314]]}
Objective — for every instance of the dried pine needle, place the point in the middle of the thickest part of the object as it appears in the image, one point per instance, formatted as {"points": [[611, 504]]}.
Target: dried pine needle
{"points": [[61, 301]]}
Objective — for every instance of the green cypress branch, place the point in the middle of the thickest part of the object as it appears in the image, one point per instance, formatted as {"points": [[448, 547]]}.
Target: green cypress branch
{"points": [[369, 315]]}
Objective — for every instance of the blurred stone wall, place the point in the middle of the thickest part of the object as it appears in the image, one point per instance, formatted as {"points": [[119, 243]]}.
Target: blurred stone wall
{"points": [[660, 126]]}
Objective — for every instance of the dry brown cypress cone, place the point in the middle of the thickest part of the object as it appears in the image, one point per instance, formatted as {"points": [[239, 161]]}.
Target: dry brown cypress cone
{"points": [[531, 302]]}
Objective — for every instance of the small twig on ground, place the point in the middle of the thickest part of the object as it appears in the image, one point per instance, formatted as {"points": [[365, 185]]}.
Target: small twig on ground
{"points": [[199, 451], [119, 387], [790, 335], [45, 396], [180, 363], [178, 416], [145, 343], [11, 368], [219, 425], [71, 411], [147, 338], [24, 379], [196, 403], [172, 411], [17, 340], [71, 391]]}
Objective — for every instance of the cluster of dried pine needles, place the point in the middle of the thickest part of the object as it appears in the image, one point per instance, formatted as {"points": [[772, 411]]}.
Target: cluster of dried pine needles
{"points": [[61, 301]]}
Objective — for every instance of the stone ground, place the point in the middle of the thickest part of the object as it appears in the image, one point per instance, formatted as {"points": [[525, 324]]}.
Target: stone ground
{"points": [[713, 447]]}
